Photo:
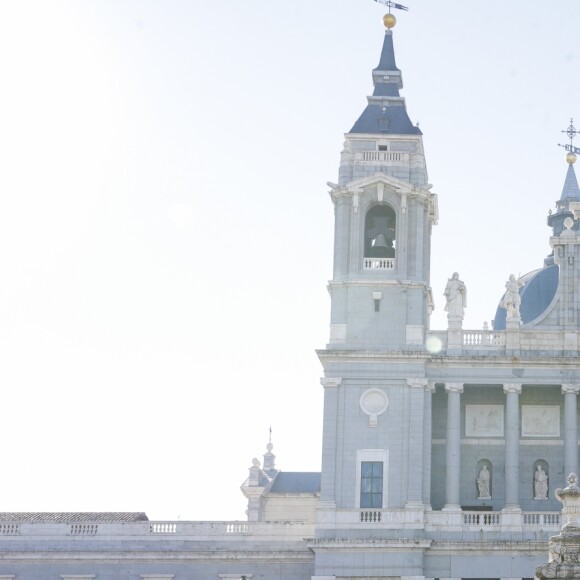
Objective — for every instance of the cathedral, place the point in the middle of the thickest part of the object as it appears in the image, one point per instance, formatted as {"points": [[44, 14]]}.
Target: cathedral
{"points": [[442, 449]]}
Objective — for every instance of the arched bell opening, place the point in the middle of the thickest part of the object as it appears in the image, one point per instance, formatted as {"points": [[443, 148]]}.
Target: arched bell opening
{"points": [[380, 232]]}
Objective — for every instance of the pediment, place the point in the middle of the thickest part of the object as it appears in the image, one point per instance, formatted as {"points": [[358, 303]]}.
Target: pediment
{"points": [[358, 185]]}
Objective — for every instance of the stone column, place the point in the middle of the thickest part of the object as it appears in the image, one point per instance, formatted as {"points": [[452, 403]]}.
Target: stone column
{"points": [[570, 393], [427, 443], [453, 456], [512, 447], [329, 438], [416, 442]]}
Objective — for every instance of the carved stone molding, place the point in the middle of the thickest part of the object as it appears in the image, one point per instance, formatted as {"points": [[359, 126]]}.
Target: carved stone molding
{"points": [[418, 383], [454, 388], [512, 388], [330, 382], [568, 389], [374, 402]]}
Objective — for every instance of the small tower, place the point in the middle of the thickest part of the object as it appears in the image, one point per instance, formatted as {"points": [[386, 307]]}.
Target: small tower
{"points": [[565, 241], [384, 211]]}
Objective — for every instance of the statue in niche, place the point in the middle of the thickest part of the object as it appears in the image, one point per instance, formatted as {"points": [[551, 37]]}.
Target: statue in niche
{"points": [[456, 296], [511, 299], [540, 483], [483, 483]]}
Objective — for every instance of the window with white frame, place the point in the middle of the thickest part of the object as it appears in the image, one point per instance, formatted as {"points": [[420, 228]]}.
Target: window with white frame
{"points": [[372, 468]]}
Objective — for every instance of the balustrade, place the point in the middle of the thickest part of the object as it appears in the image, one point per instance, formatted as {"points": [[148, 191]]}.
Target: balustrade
{"points": [[378, 263], [84, 529], [382, 156], [370, 517], [483, 519], [483, 338], [162, 528]]}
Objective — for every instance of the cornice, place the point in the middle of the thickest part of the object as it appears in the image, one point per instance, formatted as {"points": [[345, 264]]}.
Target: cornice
{"points": [[384, 545], [303, 554]]}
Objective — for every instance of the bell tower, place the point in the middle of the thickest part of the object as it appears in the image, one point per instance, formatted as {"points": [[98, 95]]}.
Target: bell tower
{"points": [[376, 446], [384, 211]]}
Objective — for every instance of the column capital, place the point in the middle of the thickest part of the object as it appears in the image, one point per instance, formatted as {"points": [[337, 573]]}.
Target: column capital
{"points": [[417, 383], [454, 387], [512, 388], [330, 382], [430, 387], [570, 389]]}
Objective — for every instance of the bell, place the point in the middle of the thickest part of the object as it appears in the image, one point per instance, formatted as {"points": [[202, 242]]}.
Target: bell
{"points": [[380, 241], [380, 248]]}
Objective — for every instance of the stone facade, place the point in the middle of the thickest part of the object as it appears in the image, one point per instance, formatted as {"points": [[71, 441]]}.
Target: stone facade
{"points": [[441, 449]]}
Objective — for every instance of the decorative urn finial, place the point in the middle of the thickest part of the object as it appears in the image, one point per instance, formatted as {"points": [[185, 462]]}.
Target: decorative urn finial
{"points": [[570, 498]]}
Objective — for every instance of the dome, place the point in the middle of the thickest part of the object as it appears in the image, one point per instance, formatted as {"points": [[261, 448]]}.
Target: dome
{"points": [[537, 292]]}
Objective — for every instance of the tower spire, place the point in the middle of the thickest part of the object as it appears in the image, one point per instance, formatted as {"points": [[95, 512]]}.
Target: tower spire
{"points": [[386, 112], [570, 191]]}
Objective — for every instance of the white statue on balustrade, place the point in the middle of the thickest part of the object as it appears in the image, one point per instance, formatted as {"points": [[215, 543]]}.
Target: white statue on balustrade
{"points": [[511, 299], [540, 483], [456, 296], [484, 483]]}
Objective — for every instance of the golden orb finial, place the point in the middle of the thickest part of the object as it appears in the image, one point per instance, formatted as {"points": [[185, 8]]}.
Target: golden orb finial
{"points": [[571, 157], [389, 21]]}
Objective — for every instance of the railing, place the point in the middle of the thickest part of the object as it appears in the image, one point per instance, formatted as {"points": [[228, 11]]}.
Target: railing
{"points": [[378, 263], [542, 519], [483, 338], [370, 517], [9, 529], [239, 528], [384, 156], [84, 529], [259, 531], [483, 519], [162, 528]]}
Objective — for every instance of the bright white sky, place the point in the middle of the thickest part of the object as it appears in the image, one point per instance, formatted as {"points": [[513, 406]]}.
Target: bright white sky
{"points": [[166, 227]]}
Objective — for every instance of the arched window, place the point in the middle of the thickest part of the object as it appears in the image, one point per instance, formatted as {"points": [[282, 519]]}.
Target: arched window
{"points": [[380, 232]]}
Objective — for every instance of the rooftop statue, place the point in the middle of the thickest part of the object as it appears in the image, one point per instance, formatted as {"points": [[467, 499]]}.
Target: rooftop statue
{"points": [[456, 296], [511, 299]]}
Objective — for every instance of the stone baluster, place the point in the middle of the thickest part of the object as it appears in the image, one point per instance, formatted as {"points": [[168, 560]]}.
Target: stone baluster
{"points": [[570, 393], [453, 455], [512, 446]]}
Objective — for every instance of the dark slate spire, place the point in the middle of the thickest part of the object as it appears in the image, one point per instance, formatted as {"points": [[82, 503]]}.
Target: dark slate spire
{"points": [[385, 112], [387, 62], [570, 193], [570, 189]]}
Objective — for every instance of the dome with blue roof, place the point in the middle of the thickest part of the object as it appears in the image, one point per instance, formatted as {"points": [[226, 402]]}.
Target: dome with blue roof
{"points": [[537, 290]]}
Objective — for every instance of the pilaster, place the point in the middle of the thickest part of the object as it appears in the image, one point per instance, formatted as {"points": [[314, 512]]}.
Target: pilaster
{"points": [[329, 437], [416, 441], [427, 441]]}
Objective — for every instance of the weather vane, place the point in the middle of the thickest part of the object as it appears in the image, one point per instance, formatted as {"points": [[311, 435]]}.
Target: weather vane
{"points": [[389, 19], [571, 133], [392, 5]]}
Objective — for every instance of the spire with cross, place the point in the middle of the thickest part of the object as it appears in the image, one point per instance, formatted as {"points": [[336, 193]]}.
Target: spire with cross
{"points": [[571, 133]]}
